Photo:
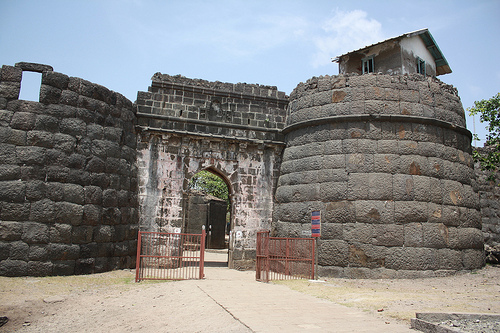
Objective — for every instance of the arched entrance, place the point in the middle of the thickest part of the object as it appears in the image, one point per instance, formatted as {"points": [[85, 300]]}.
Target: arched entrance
{"points": [[209, 204]]}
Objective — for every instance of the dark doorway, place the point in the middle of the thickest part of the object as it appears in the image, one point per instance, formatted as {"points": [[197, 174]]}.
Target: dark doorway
{"points": [[208, 205]]}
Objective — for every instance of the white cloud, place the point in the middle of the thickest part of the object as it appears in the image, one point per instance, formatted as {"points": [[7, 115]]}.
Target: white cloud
{"points": [[344, 32]]}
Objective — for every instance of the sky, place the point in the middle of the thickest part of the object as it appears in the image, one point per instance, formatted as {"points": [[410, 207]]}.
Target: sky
{"points": [[120, 44]]}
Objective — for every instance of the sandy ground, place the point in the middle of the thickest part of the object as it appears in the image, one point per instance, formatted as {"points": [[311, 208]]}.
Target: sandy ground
{"points": [[61, 304], [476, 292]]}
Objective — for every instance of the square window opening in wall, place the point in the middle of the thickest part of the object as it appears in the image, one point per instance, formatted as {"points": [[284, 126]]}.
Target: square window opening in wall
{"points": [[368, 65], [30, 86], [420, 66]]}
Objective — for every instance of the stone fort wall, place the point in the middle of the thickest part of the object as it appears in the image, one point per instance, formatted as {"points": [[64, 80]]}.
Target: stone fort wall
{"points": [[387, 161], [489, 200], [68, 200]]}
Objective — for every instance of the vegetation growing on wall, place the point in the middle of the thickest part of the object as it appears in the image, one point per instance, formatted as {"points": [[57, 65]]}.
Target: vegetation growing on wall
{"points": [[489, 111]]}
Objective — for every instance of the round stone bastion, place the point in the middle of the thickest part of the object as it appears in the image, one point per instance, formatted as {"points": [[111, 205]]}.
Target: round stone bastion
{"points": [[387, 161]]}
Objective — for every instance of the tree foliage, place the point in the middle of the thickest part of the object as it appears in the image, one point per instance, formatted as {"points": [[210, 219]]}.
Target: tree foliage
{"points": [[489, 111], [208, 183]]}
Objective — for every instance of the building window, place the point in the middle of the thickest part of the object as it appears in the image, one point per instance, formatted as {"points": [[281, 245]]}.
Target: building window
{"points": [[368, 66], [420, 66]]}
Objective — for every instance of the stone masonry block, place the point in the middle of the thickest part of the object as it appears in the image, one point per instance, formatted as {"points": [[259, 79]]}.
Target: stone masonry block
{"points": [[340, 212], [64, 251], [43, 211], [358, 186], [465, 238], [10, 90], [31, 155], [40, 268], [411, 258], [65, 142], [13, 267], [473, 259], [74, 193], [11, 74], [389, 235], [10, 172], [18, 251], [93, 195], [380, 186], [73, 126], [365, 255], [14, 211], [82, 235], [69, 97], [109, 198], [410, 211], [103, 234], [60, 233], [10, 231], [332, 175], [55, 79], [46, 123], [12, 191], [331, 231], [40, 138], [333, 191], [359, 232], [23, 120], [435, 235], [333, 253], [373, 211], [387, 163], [449, 259], [69, 213], [413, 235], [63, 267], [35, 233], [38, 252], [49, 94]]}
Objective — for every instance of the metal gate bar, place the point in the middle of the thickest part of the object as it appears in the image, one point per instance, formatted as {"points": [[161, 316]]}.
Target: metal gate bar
{"points": [[170, 256], [280, 258]]}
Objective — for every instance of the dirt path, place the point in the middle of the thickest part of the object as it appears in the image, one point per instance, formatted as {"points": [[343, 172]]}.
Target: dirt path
{"points": [[113, 302]]}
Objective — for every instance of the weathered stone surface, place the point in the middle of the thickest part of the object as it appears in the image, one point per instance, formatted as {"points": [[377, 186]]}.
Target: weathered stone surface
{"points": [[341, 248], [12, 191], [35, 233], [60, 233], [408, 182], [11, 74], [12, 267], [34, 67]]}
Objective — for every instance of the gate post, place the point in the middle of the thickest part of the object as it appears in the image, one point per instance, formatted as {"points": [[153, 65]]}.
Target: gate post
{"points": [[138, 260], [202, 252]]}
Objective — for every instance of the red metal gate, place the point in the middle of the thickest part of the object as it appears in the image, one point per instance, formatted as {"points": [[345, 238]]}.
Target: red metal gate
{"points": [[170, 256], [280, 258]]}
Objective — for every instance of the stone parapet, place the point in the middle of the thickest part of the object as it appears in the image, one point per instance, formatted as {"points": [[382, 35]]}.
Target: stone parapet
{"points": [[375, 94], [233, 111]]}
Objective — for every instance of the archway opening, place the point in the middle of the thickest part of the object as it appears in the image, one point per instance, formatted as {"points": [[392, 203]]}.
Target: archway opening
{"points": [[209, 205]]}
